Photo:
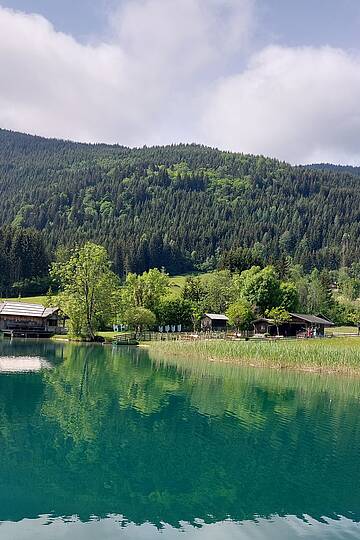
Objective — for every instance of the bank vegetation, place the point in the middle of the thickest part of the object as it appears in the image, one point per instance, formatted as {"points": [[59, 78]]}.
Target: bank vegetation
{"points": [[327, 355]]}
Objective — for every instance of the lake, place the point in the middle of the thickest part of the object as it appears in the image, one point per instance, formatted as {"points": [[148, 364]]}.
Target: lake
{"points": [[105, 443]]}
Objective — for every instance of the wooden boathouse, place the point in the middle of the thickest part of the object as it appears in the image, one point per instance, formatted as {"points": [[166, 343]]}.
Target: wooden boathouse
{"points": [[18, 319]]}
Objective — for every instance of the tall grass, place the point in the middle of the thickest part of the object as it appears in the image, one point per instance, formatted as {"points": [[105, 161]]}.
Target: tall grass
{"points": [[327, 355]]}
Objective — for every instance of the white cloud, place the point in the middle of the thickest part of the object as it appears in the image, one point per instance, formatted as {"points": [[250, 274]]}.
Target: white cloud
{"points": [[183, 36], [52, 85], [298, 104], [138, 88], [166, 74]]}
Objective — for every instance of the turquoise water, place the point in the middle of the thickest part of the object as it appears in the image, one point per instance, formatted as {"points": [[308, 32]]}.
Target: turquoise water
{"points": [[103, 443]]}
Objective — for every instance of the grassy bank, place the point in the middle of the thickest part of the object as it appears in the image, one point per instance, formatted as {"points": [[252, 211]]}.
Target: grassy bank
{"points": [[323, 355]]}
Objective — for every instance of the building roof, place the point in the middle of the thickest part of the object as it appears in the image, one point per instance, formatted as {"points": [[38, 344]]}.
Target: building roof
{"points": [[216, 317], [321, 316], [313, 319], [26, 310]]}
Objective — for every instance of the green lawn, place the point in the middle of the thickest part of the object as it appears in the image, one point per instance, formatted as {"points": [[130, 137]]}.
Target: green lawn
{"points": [[108, 335], [342, 330]]}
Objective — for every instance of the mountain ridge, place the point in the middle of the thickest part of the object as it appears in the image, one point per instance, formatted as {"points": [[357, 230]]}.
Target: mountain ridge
{"points": [[179, 206]]}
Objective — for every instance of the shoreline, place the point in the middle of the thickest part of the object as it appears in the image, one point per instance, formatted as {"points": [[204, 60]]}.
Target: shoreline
{"points": [[337, 356]]}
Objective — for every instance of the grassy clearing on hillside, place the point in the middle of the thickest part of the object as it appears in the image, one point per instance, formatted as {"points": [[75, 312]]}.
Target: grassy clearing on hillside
{"points": [[322, 355], [29, 300], [178, 282]]}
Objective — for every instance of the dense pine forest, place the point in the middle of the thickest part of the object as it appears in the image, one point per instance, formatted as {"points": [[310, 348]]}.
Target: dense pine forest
{"points": [[183, 207], [24, 261]]}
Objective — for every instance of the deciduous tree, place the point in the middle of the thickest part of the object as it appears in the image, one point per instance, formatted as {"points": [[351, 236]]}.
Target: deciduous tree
{"points": [[279, 316], [240, 314], [89, 289], [139, 318], [260, 287], [146, 290]]}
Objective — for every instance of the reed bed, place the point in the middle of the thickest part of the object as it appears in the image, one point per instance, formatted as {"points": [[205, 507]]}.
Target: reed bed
{"points": [[321, 355]]}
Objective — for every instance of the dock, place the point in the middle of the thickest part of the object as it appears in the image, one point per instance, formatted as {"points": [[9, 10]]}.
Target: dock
{"points": [[125, 339]]}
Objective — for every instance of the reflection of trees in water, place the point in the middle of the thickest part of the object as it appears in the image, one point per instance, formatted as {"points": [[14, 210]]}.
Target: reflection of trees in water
{"points": [[113, 432], [236, 390], [85, 376], [75, 397]]}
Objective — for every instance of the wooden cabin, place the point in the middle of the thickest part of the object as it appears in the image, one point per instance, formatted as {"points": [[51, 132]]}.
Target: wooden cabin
{"points": [[18, 319], [214, 322], [299, 325]]}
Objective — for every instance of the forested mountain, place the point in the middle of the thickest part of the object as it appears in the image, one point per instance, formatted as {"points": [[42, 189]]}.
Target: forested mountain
{"points": [[178, 206], [335, 168]]}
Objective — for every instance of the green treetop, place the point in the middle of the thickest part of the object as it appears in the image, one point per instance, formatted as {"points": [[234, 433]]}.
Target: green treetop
{"points": [[146, 290], [260, 287], [240, 314], [279, 315], [139, 318], [89, 289], [193, 289]]}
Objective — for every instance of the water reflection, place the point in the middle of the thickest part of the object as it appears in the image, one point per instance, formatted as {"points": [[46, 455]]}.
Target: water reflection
{"points": [[23, 364], [49, 351], [175, 445], [114, 527]]}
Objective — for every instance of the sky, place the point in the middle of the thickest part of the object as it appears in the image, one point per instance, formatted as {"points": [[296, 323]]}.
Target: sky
{"points": [[274, 77]]}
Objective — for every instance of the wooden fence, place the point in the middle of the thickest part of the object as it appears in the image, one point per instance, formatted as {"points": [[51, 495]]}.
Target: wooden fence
{"points": [[191, 336]]}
